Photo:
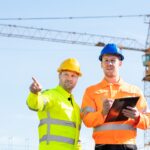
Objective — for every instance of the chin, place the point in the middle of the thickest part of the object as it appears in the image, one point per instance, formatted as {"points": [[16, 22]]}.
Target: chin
{"points": [[110, 75]]}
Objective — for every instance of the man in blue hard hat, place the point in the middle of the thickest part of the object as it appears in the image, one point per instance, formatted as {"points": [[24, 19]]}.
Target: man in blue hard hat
{"points": [[111, 49], [98, 99]]}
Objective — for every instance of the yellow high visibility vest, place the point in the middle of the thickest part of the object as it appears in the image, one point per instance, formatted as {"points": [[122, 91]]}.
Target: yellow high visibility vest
{"points": [[59, 117]]}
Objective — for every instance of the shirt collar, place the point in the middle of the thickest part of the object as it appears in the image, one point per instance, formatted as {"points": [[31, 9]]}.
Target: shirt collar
{"points": [[63, 91], [105, 83]]}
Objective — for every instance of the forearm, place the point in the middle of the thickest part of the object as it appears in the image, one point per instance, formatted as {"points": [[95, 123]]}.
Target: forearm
{"points": [[144, 121], [35, 102], [93, 119]]}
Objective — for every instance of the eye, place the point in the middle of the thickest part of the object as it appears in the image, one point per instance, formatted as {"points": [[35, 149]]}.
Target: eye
{"points": [[113, 61], [107, 61], [65, 74], [74, 76]]}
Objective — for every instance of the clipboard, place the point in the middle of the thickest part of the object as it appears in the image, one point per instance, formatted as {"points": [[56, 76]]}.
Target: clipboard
{"points": [[115, 112]]}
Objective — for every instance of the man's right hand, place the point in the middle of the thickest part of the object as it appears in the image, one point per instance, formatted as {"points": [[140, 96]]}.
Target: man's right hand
{"points": [[35, 87], [107, 103]]}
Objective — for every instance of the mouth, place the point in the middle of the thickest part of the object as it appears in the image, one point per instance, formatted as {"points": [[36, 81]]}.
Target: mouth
{"points": [[109, 69], [68, 83]]}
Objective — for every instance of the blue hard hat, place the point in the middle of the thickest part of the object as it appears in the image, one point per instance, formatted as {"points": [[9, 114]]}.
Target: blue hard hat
{"points": [[111, 49]]}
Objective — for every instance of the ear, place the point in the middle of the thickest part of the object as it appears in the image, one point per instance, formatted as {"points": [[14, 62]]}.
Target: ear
{"points": [[101, 65], [59, 75], [120, 63]]}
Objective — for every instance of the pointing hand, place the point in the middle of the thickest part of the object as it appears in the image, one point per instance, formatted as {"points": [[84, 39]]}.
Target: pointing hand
{"points": [[35, 87]]}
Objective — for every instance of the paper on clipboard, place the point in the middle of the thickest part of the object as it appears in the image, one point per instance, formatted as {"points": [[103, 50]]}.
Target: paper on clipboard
{"points": [[115, 112]]}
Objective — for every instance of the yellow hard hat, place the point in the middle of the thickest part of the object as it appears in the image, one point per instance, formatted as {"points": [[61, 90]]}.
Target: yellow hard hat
{"points": [[70, 64]]}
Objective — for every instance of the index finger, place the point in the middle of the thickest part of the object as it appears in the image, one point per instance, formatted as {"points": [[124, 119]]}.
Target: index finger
{"points": [[35, 80]]}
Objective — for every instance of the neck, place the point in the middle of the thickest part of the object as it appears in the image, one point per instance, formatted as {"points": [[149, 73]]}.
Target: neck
{"points": [[112, 80], [66, 89], [69, 91]]}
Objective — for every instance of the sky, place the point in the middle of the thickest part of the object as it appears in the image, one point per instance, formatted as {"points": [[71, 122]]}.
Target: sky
{"points": [[20, 59]]}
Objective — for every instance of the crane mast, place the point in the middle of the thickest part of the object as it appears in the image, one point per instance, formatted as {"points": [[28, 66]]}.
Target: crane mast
{"points": [[146, 63]]}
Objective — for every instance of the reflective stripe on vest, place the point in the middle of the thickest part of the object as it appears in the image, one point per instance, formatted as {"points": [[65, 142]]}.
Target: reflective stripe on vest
{"points": [[87, 109], [58, 122], [45, 101], [49, 137], [114, 127], [58, 139]]}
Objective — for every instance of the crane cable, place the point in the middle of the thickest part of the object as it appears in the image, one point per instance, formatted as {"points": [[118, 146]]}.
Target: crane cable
{"points": [[81, 17]]}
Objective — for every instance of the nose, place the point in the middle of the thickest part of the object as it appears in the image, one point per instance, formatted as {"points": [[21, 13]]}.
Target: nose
{"points": [[69, 77], [109, 62]]}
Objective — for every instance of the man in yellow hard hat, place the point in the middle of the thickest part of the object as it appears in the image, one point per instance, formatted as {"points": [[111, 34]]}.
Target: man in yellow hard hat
{"points": [[58, 112]]}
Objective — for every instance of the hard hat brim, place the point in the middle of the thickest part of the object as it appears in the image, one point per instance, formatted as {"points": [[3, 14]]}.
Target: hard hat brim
{"points": [[121, 57]]}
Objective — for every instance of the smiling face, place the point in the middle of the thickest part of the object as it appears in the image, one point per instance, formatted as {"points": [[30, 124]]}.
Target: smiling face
{"points": [[68, 80], [110, 65]]}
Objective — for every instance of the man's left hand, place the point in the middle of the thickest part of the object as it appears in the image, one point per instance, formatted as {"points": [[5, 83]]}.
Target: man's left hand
{"points": [[131, 112]]}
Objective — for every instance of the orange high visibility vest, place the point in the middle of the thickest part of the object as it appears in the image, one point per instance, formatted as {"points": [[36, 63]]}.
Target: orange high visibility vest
{"points": [[120, 132]]}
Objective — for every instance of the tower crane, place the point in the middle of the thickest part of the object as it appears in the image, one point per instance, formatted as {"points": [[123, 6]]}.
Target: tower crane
{"points": [[7, 30], [146, 79], [33, 33]]}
